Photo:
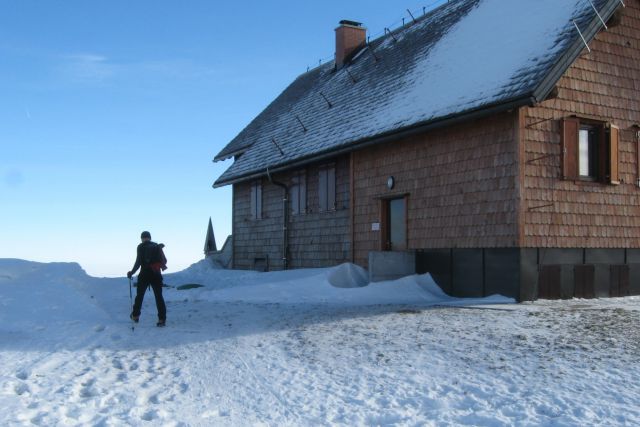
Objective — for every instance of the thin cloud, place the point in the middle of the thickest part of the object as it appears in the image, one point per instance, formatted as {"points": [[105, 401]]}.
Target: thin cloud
{"points": [[95, 69], [87, 68]]}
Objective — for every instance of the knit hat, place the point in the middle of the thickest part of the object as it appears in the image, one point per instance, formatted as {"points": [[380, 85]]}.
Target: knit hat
{"points": [[145, 234]]}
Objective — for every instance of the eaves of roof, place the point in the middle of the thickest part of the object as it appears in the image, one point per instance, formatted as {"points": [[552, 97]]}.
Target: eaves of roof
{"points": [[389, 136]]}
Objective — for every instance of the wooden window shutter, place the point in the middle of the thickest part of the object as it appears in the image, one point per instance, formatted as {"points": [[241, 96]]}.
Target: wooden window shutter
{"points": [[322, 190], [256, 200], [299, 193], [302, 194], [253, 200], [259, 200], [613, 143], [331, 188], [570, 133]]}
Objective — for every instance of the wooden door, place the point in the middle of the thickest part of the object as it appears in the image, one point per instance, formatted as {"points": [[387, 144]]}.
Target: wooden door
{"points": [[394, 224]]}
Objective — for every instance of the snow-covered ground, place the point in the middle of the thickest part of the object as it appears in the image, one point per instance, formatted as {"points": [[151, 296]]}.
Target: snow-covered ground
{"points": [[307, 347]]}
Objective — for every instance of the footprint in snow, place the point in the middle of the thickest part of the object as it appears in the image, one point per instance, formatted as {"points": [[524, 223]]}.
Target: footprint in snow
{"points": [[149, 416], [215, 413], [21, 388], [99, 328], [22, 375], [86, 389]]}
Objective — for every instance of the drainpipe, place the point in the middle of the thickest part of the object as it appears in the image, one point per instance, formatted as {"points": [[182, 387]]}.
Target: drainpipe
{"points": [[285, 221]]}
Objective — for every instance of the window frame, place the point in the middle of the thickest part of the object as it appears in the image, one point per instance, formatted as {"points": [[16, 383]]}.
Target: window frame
{"points": [[298, 193], [594, 142], [327, 188], [604, 152]]}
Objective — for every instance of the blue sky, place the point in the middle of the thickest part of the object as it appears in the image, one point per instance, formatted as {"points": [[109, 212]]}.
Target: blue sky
{"points": [[111, 112]]}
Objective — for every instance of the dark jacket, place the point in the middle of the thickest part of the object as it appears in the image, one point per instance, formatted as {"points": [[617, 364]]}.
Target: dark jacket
{"points": [[150, 257]]}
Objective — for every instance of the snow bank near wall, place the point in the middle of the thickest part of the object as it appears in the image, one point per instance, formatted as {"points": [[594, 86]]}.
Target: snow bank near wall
{"points": [[343, 285], [64, 289], [348, 275]]}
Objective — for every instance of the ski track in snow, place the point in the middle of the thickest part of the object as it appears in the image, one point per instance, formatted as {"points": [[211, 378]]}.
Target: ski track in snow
{"points": [[570, 363]]}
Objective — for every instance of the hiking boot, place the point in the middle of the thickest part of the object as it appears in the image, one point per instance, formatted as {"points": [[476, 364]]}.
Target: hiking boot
{"points": [[134, 318], [161, 323]]}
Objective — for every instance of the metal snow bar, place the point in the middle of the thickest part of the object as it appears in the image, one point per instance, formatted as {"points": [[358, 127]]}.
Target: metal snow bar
{"points": [[277, 146], [581, 36], [372, 52], [325, 98], [600, 17], [304, 128], [530, 125], [622, 3], [353, 79], [412, 17], [391, 33], [548, 205]]}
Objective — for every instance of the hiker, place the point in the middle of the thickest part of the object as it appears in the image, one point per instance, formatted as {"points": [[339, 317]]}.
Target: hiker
{"points": [[151, 261]]}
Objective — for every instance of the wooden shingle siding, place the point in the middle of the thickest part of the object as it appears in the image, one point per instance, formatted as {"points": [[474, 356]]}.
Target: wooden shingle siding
{"points": [[460, 186], [316, 239], [602, 85]]}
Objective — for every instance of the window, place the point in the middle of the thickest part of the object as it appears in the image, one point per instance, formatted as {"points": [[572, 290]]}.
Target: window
{"points": [[256, 200], [589, 150], [298, 193], [327, 188]]}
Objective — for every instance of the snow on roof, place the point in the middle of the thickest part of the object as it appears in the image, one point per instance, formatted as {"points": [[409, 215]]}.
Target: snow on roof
{"points": [[463, 56]]}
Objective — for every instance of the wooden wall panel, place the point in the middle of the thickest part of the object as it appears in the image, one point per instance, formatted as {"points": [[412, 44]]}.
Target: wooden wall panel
{"points": [[605, 85], [460, 183], [316, 239]]}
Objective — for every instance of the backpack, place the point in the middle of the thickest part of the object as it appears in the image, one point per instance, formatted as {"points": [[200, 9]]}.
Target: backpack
{"points": [[153, 257]]}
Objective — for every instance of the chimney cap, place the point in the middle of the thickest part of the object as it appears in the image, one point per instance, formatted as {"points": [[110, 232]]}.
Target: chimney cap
{"points": [[351, 23]]}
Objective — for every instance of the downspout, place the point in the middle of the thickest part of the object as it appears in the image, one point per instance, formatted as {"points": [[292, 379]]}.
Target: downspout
{"points": [[285, 221]]}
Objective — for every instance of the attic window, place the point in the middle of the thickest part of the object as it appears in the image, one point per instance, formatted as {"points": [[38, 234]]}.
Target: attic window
{"points": [[590, 150]]}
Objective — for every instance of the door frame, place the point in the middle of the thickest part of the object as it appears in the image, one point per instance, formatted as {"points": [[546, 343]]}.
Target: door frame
{"points": [[385, 228]]}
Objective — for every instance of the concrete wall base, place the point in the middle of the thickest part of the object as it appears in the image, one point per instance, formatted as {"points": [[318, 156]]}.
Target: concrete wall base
{"points": [[531, 273], [386, 265]]}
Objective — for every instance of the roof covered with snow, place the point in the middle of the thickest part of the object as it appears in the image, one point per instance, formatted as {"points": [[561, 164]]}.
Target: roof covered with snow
{"points": [[465, 56]]}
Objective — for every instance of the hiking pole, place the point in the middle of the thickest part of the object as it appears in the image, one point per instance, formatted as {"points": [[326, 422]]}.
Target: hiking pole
{"points": [[133, 324]]}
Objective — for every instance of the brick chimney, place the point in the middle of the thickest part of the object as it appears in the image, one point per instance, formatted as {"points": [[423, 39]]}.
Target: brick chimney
{"points": [[350, 37]]}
